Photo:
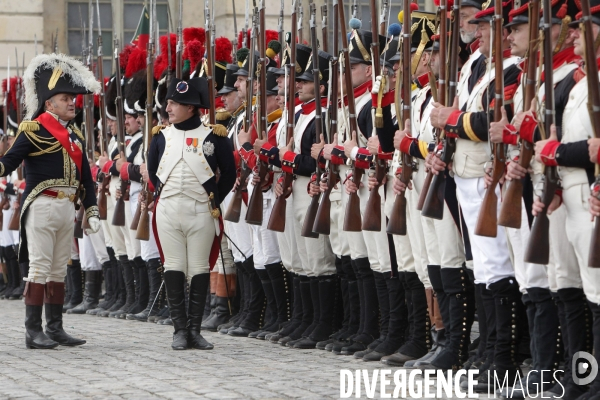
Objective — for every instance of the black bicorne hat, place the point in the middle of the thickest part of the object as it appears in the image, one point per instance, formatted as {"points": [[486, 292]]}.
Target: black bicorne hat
{"points": [[472, 3], [390, 53], [487, 12], [323, 69], [51, 74], [359, 46], [135, 93], [519, 13], [230, 79], [193, 92], [271, 83]]}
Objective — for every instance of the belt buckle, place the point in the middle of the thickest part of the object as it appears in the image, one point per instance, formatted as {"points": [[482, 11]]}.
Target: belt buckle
{"points": [[60, 195]]}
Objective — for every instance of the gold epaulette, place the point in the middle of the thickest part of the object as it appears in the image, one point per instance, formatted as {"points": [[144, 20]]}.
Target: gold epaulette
{"points": [[157, 129], [222, 115], [29, 126], [218, 129]]}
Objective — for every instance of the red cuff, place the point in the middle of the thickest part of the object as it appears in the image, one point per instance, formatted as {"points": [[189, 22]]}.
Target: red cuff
{"points": [[337, 155], [151, 186], [549, 153], [363, 158], [95, 170], [405, 144], [528, 128], [124, 172], [267, 152], [509, 135], [107, 166], [384, 156], [22, 186], [453, 118], [245, 152], [313, 179], [288, 163]]}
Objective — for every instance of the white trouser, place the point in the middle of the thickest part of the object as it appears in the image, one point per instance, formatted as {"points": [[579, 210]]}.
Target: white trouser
{"points": [[106, 223], [288, 248], [134, 248], [225, 260], [266, 248], [415, 226], [443, 241], [49, 227], [315, 254], [240, 234], [528, 275], [491, 257], [186, 231], [148, 248], [579, 233], [95, 255], [563, 269], [356, 240], [8, 237], [402, 246], [338, 238], [117, 235], [74, 249]]}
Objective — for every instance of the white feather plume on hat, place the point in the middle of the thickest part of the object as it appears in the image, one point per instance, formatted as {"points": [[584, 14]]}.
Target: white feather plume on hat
{"points": [[78, 73]]}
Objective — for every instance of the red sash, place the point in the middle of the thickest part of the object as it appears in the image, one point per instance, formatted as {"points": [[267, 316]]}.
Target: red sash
{"points": [[61, 134]]}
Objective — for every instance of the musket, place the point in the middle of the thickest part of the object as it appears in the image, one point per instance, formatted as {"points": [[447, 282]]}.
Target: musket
{"points": [[433, 206], [324, 41], [397, 221], [35, 43], [442, 87], [179, 50], [277, 219], [254, 215], [143, 226], [3, 146], [594, 110], [538, 247], [383, 19], [280, 27], [235, 31], [372, 216], [487, 222], [300, 21], [245, 43], [13, 224], [311, 213], [79, 215], [102, 206], [55, 44], [510, 210], [119, 214], [352, 217], [209, 64], [322, 223]]}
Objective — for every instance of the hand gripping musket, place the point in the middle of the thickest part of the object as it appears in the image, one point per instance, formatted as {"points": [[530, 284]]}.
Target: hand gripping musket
{"points": [[439, 95], [311, 213], [322, 223], [179, 49], [254, 215], [510, 210], [372, 215], [102, 206], [142, 223], [324, 41], [119, 215], [277, 219], [538, 247], [487, 222], [594, 110], [352, 217], [397, 221]]}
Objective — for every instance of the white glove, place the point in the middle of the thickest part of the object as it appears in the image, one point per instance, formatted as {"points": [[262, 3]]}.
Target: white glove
{"points": [[94, 223], [376, 85]]}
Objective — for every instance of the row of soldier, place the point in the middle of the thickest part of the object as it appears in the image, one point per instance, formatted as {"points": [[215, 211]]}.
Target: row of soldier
{"points": [[403, 299]]}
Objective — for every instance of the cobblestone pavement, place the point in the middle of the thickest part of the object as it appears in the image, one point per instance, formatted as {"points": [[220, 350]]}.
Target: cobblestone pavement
{"points": [[133, 360]]}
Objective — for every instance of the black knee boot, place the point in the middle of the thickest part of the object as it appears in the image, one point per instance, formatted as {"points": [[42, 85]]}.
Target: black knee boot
{"points": [[175, 284], [153, 270], [324, 328], [307, 311], [12, 262], [255, 302], [126, 267], [53, 302], [459, 299], [75, 280], [35, 338], [110, 294], [91, 297], [142, 289], [398, 318], [507, 301], [120, 292], [270, 324], [296, 317], [418, 343], [198, 290], [280, 285], [240, 298]]}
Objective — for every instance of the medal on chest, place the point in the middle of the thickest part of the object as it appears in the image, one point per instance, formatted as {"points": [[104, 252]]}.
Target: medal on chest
{"points": [[191, 144]]}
